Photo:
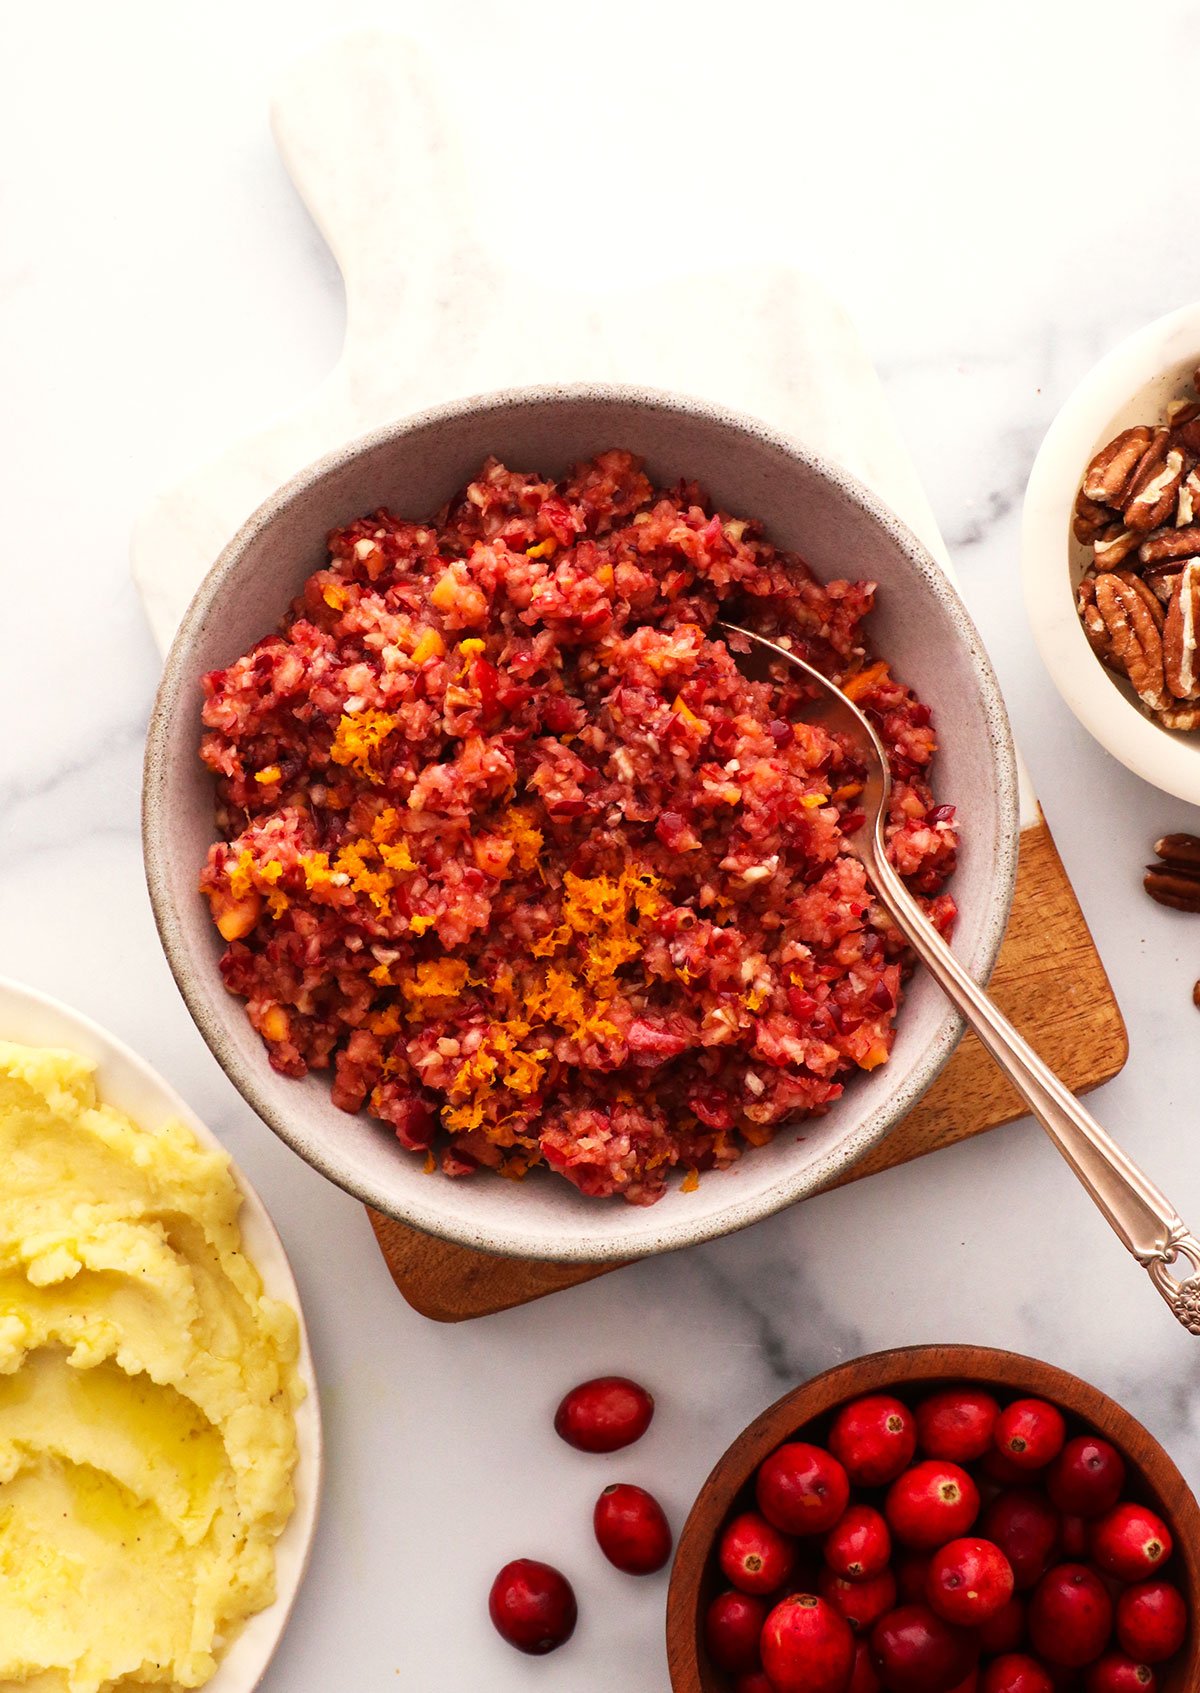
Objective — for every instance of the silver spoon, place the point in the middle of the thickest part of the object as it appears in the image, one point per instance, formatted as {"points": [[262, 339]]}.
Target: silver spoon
{"points": [[1142, 1217]]}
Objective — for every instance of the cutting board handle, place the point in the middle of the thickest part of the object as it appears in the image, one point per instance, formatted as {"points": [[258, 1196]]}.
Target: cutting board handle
{"points": [[357, 127]]}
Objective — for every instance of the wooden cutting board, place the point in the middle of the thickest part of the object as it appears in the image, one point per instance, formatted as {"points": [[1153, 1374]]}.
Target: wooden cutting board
{"points": [[433, 313]]}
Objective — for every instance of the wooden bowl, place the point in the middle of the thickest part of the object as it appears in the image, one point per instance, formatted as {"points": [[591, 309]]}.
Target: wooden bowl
{"points": [[911, 1373]]}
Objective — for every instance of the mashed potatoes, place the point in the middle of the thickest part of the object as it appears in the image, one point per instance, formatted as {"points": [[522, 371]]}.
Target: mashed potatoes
{"points": [[147, 1394]]}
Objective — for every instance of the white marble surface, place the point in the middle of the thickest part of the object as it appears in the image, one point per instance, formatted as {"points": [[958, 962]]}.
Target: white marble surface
{"points": [[161, 290]]}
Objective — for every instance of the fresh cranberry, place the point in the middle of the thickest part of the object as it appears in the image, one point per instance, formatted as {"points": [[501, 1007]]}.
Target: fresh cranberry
{"points": [[1131, 1542], [1152, 1621], [755, 1557], [807, 1647], [969, 1581], [912, 1573], [859, 1546], [1014, 1672], [969, 1682], [874, 1438], [532, 1606], [1030, 1432], [802, 1489], [1005, 1631], [1025, 1528], [1115, 1673], [732, 1625], [604, 1415], [932, 1503], [1086, 1478], [862, 1603], [754, 1682], [1070, 1616], [864, 1677], [917, 1652], [1074, 1539], [632, 1529], [957, 1424]]}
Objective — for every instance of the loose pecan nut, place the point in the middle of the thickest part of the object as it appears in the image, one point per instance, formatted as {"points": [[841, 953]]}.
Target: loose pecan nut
{"points": [[1178, 852], [1179, 635], [1134, 632], [1109, 473], [1175, 888]]}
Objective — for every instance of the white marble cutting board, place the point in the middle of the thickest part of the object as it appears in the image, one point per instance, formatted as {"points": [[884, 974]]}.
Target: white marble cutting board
{"points": [[432, 314]]}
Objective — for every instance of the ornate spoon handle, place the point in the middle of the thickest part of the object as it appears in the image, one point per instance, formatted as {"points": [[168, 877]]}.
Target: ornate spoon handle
{"points": [[1143, 1217]]}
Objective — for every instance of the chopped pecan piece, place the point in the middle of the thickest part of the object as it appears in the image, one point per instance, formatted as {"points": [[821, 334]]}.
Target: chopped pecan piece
{"points": [[1167, 544], [1109, 472], [1150, 498], [1179, 634], [1133, 630]]}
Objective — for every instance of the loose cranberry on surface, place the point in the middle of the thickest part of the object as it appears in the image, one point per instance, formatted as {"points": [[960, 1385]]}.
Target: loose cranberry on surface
{"points": [[1026, 1530], [604, 1415], [932, 1503], [802, 1489], [862, 1603], [969, 1581], [957, 1424], [1152, 1621], [864, 1677], [1070, 1616], [915, 1651], [732, 1625], [532, 1606], [632, 1529], [1086, 1478], [754, 1556], [807, 1647], [1131, 1542], [1005, 1631], [1117, 1673], [874, 1439], [1030, 1433], [859, 1546], [1015, 1672]]}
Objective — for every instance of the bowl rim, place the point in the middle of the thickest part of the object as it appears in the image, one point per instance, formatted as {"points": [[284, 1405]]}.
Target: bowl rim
{"points": [[259, 1637], [511, 1239], [897, 1368], [1169, 760]]}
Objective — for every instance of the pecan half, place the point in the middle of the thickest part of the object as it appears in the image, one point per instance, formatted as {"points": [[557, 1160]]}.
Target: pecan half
{"points": [[1180, 852], [1109, 472], [1133, 630], [1187, 434], [1150, 498], [1094, 626], [1184, 718], [1176, 888], [1090, 519], [1180, 412], [1161, 579], [1167, 544], [1179, 635], [1113, 546]]}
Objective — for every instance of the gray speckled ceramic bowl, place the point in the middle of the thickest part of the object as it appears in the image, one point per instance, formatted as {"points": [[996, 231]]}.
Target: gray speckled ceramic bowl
{"points": [[809, 506]]}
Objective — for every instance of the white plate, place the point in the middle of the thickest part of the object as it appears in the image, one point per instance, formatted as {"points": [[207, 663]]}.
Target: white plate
{"points": [[127, 1082], [1131, 384]]}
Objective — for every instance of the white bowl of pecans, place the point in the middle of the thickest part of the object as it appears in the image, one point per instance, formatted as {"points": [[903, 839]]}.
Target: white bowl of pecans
{"points": [[1111, 552]]}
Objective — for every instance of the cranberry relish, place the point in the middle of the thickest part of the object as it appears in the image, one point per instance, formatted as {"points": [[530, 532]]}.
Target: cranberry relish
{"points": [[510, 844]]}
